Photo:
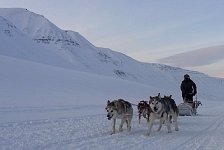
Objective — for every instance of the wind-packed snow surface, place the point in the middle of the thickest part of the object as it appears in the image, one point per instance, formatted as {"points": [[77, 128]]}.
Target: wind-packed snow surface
{"points": [[54, 86]]}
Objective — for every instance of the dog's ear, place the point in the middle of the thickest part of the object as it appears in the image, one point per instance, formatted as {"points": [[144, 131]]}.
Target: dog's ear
{"points": [[108, 102], [145, 103], [159, 95], [170, 96]]}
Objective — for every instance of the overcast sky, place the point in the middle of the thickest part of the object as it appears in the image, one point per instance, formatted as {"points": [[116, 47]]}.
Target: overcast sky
{"points": [[143, 29]]}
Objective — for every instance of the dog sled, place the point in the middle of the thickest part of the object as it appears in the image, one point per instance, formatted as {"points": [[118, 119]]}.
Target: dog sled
{"points": [[189, 109]]}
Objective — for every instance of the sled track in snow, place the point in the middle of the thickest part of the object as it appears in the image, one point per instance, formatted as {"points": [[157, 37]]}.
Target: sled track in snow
{"points": [[201, 141]]}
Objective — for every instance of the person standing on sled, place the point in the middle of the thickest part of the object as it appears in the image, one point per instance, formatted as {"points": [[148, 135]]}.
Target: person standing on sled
{"points": [[188, 88]]}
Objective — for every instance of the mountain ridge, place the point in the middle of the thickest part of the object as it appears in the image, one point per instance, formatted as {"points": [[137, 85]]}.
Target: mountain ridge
{"points": [[84, 56]]}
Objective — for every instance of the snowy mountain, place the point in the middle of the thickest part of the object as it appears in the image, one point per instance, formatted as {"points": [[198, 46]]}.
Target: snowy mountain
{"points": [[36, 39], [15, 43], [74, 48], [71, 45]]}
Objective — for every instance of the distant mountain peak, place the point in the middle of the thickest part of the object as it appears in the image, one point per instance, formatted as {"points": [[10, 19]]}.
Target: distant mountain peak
{"points": [[41, 30]]}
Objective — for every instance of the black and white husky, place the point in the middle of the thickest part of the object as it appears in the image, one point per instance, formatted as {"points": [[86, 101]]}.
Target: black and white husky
{"points": [[163, 109], [119, 109]]}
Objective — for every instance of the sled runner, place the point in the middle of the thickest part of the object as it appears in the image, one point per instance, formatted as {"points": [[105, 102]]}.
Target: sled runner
{"points": [[189, 109]]}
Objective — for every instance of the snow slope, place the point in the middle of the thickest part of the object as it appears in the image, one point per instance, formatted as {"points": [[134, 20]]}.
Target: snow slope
{"points": [[35, 85], [47, 107], [16, 44]]}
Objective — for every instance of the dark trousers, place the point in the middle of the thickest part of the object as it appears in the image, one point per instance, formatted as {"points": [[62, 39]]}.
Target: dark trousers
{"points": [[187, 98]]}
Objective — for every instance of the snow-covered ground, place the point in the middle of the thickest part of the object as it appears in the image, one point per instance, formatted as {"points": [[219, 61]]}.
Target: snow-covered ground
{"points": [[92, 131], [46, 107]]}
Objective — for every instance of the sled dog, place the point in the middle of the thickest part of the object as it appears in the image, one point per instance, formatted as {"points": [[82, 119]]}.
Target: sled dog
{"points": [[162, 109], [143, 110], [173, 107], [119, 109]]}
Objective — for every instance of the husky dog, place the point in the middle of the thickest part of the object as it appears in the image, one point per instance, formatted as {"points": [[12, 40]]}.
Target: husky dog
{"points": [[119, 109], [173, 107], [162, 109], [143, 110]]}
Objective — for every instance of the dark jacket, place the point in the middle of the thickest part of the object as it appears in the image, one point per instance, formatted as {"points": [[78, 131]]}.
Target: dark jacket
{"points": [[188, 87]]}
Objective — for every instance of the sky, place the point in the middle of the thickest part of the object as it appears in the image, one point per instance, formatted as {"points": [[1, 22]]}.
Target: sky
{"points": [[146, 30]]}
